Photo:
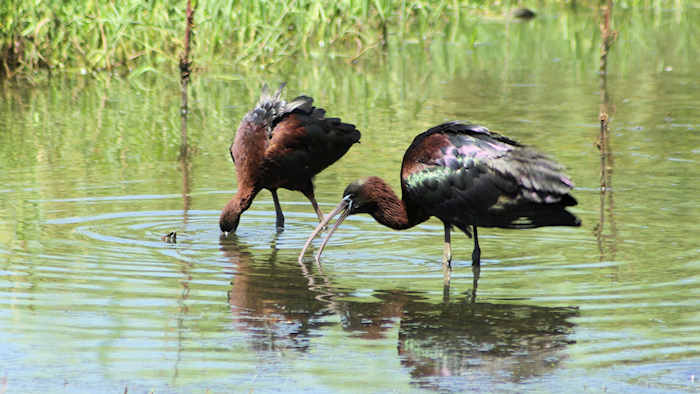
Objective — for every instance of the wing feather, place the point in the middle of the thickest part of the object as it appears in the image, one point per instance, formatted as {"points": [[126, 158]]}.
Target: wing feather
{"points": [[304, 142], [469, 175]]}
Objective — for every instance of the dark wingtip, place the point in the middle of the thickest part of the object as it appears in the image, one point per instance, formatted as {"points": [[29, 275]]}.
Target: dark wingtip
{"points": [[569, 219], [565, 218], [577, 221]]}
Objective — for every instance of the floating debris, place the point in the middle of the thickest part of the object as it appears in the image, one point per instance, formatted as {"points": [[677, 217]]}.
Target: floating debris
{"points": [[170, 237]]}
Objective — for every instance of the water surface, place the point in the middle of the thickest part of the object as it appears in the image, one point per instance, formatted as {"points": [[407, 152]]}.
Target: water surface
{"points": [[93, 300]]}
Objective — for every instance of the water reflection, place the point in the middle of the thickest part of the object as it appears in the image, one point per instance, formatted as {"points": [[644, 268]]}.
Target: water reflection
{"points": [[272, 301], [283, 305], [182, 311], [469, 342], [481, 341]]}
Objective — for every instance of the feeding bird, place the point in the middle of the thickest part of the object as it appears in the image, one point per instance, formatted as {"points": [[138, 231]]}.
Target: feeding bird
{"points": [[468, 177], [283, 144]]}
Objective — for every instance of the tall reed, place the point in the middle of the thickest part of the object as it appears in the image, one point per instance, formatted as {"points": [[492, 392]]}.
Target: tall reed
{"points": [[135, 36], [140, 36]]}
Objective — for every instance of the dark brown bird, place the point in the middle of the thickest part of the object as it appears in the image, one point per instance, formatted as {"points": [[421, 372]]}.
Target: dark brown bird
{"points": [[283, 144], [467, 177]]}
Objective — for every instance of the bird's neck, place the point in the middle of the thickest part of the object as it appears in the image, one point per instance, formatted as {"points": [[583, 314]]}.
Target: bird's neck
{"points": [[392, 211], [241, 201]]}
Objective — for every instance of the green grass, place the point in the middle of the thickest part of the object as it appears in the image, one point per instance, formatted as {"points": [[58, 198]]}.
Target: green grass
{"points": [[136, 36]]}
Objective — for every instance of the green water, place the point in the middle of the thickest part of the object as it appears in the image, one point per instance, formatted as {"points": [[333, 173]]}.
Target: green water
{"points": [[92, 300]]}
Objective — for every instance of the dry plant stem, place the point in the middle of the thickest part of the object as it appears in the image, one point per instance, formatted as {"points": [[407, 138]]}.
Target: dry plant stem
{"points": [[608, 37], [185, 70]]}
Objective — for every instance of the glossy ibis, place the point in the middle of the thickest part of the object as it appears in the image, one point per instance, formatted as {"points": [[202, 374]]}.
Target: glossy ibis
{"points": [[283, 144], [468, 177]]}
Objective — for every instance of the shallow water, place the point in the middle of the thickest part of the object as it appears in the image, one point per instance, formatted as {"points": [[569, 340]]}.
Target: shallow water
{"points": [[93, 300]]}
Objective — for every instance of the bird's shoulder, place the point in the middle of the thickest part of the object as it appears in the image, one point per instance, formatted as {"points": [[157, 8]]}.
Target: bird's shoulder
{"points": [[453, 146], [303, 134], [307, 128], [288, 122], [464, 133], [470, 157]]}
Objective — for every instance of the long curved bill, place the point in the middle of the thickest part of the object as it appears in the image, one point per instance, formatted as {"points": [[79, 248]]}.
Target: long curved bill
{"points": [[344, 209]]}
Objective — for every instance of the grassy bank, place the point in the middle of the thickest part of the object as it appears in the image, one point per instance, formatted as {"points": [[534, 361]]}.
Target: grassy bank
{"points": [[488, 70], [135, 36]]}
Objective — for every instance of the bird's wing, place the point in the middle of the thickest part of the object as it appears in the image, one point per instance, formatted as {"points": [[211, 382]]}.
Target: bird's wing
{"points": [[455, 165], [305, 137]]}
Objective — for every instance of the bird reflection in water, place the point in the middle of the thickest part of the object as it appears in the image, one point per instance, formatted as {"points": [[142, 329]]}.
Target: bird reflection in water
{"points": [[271, 300], [460, 343], [444, 344]]}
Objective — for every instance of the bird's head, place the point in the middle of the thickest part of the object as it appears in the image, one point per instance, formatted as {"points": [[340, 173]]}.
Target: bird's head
{"points": [[360, 196], [230, 216], [228, 222]]}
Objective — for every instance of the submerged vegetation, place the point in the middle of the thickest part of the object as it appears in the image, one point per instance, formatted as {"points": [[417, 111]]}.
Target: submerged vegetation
{"points": [[135, 36]]}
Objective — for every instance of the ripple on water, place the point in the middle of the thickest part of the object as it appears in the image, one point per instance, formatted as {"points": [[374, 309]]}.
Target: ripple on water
{"points": [[112, 273]]}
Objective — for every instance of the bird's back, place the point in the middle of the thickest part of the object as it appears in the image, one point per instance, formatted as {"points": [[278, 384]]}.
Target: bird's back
{"points": [[465, 174], [287, 143], [307, 139]]}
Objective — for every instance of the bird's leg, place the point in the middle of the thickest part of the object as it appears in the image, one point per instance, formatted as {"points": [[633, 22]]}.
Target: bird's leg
{"points": [[476, 271], [476, 254], [309, 193], [447, 260], [278, 210], [316, 208], [447, 250]]}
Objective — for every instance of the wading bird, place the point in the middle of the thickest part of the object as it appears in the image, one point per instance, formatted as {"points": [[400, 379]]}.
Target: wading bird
{"points": [[467, 177], [283, 145]]}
